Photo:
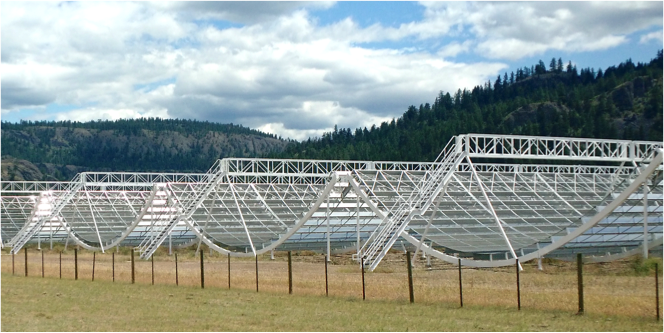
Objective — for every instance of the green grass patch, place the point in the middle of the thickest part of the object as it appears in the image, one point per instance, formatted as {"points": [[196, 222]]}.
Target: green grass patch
{"points": [[646, 266]]}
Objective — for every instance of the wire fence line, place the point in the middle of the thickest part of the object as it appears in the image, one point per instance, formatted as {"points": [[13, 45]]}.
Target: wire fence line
{"points": [[555, 288]]}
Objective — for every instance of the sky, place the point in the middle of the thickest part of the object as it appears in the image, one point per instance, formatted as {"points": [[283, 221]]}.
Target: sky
{"points": [[295, 69]]}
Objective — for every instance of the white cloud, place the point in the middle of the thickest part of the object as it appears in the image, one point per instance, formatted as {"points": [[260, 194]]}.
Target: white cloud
{"points": [[273, 67], [343, 117], [454, 48], [655, 35], [245, 12], [93, 113], [514, 30]]}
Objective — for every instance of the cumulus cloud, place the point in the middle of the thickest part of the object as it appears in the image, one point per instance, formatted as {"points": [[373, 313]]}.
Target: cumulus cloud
{"points": [[94, 113], [454, 48], [271, 65], [244, 12], [655, 35], [514, 30]]}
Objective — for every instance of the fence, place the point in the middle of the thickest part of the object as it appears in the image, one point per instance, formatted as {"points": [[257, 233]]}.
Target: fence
{"points": [[608, 289]]}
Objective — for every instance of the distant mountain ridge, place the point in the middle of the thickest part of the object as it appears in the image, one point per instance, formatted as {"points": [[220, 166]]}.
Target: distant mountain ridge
{"points": [[58, 150], [621, 102]]}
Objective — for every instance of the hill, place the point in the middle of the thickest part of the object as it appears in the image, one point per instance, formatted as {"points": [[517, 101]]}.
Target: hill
{"points": [[58, 150], [622, 102]]}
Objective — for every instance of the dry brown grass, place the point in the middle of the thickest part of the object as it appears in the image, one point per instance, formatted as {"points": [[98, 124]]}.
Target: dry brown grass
{"points": [[609, 289]]}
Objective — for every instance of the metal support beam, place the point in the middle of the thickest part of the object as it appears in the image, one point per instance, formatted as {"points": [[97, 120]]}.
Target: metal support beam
{"points": [[493, 212], [645, 220], [357, 226], [94, 221], [327, 222]]}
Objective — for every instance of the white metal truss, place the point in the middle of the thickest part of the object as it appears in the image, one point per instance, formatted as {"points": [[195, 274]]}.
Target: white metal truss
{"points": [[492, 212]]}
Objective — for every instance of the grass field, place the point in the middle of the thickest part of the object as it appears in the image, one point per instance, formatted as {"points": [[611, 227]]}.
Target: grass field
{"points": [[616, 297]]}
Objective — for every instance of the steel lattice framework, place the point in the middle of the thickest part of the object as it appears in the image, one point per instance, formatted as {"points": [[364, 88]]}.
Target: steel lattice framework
{"points": [[486, 198]]}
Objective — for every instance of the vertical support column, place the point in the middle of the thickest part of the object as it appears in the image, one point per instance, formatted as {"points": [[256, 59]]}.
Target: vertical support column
{"points": [[327, 221], [170, 244], [42, 253], [75, 264], [152, 259], [271, 254], [539, 264], [410, 278], [290, 274], [202, 272], [176, 268], [256, 256], [357, 226], [133, 275], [25, 250], [460, 286], [579, 274], [645, 220], [518, 286]]}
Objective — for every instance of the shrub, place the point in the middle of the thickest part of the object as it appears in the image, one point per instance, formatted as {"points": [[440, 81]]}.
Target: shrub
{"points": [[647, 266]]}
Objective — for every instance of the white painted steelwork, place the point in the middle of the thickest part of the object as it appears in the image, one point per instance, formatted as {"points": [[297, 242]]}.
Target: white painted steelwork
{"points": [[458, 203]]}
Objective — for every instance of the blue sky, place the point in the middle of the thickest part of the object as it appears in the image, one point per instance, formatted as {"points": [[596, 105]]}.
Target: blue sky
{"points": [[295, 69]]}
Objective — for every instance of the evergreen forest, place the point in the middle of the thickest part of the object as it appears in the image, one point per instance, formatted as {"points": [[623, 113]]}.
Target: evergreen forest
{"points": [[61, 149], [619, 102]]}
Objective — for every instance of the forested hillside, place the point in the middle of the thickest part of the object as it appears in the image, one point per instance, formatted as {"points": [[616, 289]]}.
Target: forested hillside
{"points": [[59, 150], [621, 102]]}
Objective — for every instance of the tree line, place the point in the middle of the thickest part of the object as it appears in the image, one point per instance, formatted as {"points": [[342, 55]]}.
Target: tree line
{"points": [[146, 144], [620, 102]]}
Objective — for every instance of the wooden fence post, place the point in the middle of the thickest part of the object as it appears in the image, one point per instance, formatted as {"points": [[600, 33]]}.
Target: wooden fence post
{"points": [[75, 264], [94, 257], [256, 273], [176, 268], [133, 271], [290, 274], [363, 290], [579, 275], [410, 278], [460, 286], [326, 286], [657, 288], [152, 259], [202, 272], [518, 286], [229, 270]]}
